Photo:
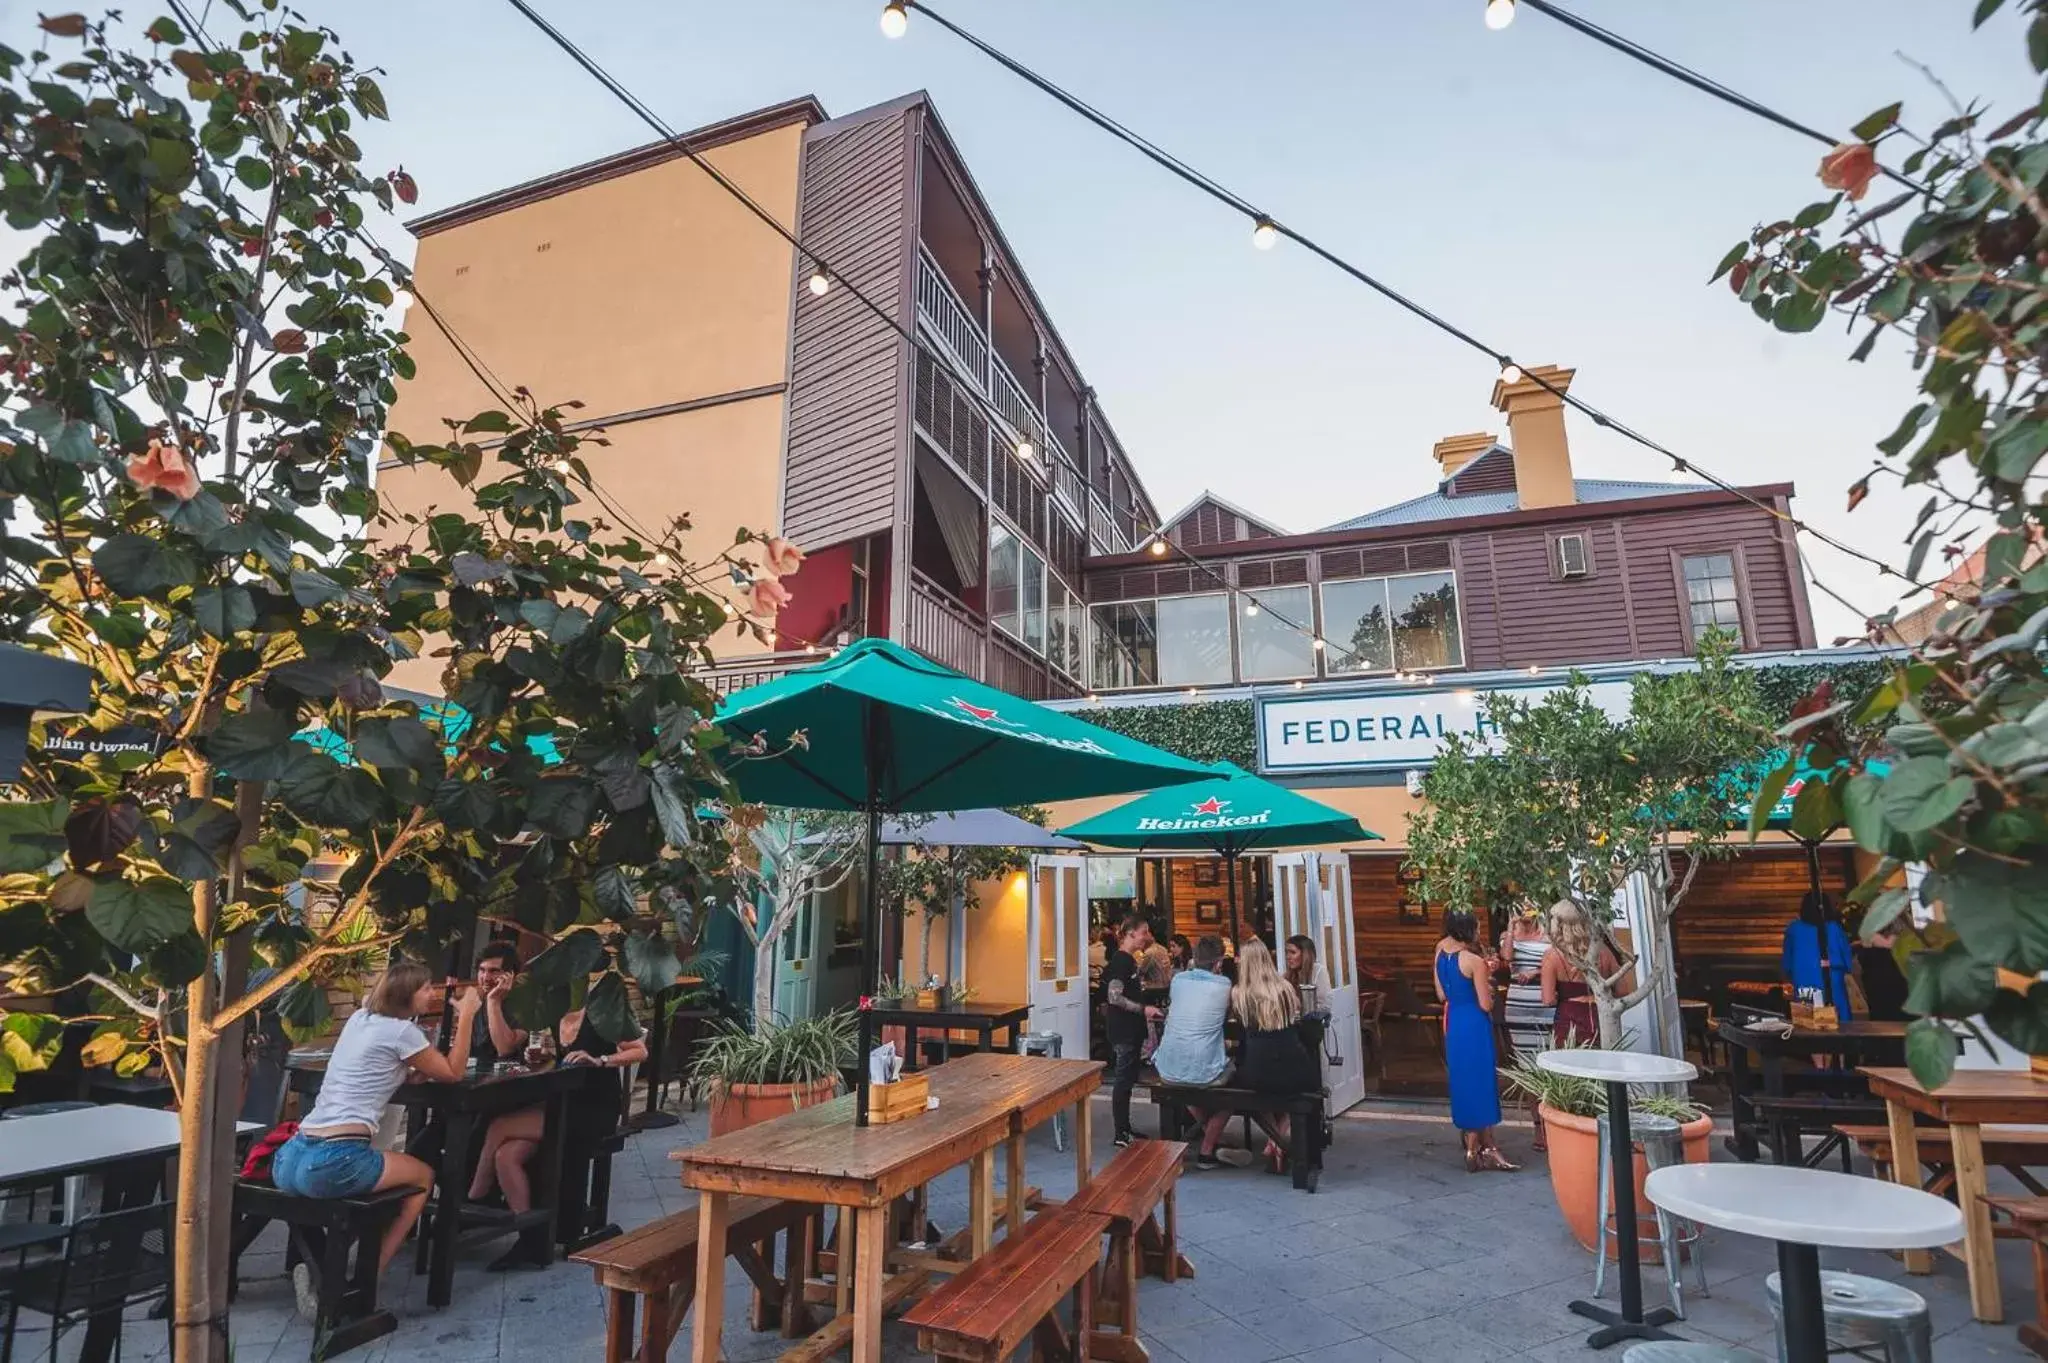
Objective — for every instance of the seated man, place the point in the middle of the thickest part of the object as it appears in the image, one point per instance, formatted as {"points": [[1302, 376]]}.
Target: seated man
{"points": [[497, 970], [1190, 1050]]}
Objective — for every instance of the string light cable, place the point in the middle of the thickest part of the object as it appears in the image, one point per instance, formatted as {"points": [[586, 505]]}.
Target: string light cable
{"points": [[1267, 226]]}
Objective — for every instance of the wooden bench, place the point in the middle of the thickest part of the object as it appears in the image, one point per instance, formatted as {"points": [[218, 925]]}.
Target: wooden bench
{"points": [[1304, 1111], [2015, 1149], [2027, 1217], [1790, 1119], [984, 1312], [1135, 1192], [658, 1261], [321, 1232]]}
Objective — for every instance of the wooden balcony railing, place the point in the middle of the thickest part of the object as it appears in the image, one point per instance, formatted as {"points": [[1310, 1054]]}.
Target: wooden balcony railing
{"points": [[737, 674], [948, 317], [943, 627]]}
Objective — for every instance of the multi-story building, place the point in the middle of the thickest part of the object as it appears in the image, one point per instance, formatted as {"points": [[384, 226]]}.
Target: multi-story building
{"points": [[958, 487]]}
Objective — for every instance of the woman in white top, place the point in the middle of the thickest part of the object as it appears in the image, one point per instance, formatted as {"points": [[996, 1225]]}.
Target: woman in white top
{"points": [[379, 1047]]}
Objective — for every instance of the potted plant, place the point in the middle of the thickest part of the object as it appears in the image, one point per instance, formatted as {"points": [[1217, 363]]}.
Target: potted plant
{"points": [[1570, 1109], [777, 1067]]}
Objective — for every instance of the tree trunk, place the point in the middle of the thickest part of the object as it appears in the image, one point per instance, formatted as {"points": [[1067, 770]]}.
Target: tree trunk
{"points": [[924, 950], [764, 980]]}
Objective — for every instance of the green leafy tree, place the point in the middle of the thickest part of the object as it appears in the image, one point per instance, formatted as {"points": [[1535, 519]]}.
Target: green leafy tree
{"points": [[1947, 757], [193, 388], [1565, 802]]}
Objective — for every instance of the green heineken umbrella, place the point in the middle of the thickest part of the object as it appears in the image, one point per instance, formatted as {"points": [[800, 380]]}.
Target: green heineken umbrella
{"points": [[1231, 813], [886, 731]]}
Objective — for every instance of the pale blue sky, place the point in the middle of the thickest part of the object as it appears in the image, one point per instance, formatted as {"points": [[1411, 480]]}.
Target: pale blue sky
{"points": [[1539, 190]]}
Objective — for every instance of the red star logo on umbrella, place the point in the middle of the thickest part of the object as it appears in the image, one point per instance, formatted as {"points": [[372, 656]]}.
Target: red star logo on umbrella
{"points": [[975, 710], [1212, 805]]}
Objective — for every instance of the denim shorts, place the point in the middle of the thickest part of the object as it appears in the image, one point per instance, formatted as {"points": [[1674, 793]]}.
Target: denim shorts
{"points": [[308, 1166]]}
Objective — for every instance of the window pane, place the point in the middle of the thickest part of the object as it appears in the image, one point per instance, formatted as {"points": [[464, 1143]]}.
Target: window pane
{"points": [[1355, 626], [1033, 592], [1002, 576], [1076, 619], [1425, 613], [1194, 640], [1048, 924], [1126, 646], [1267, 648]]}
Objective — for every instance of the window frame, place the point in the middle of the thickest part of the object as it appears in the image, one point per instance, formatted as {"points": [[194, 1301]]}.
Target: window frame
{"points": [[1552, 551], [1745, 625], [1238, 626], [1230, 627], [1394, 663]]}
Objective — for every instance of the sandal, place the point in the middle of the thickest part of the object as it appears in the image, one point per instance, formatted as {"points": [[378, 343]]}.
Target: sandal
{"points": [[1276, 1159], [1471, 1162], [1494, 1160]]}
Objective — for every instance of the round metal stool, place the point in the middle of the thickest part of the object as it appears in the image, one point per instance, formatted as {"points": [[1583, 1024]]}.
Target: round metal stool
{"points": [[1865, 1313], [1678, 1351], [1662, 1146], [1047, 1044]]}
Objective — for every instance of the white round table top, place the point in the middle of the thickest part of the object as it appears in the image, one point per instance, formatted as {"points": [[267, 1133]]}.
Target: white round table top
{"points": [[1806, 1206], [1621, 1067]]}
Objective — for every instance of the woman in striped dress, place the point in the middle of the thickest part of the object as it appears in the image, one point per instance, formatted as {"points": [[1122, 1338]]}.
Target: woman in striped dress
{"points": [[1522, 948]]}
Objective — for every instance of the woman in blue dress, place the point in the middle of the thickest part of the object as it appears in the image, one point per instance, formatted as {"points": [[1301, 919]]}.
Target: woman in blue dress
{"points": [[1817, 953], [1466, 988]]}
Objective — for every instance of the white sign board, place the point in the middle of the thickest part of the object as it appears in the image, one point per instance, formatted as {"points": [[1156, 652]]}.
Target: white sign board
{"points": [[1392, 729]]}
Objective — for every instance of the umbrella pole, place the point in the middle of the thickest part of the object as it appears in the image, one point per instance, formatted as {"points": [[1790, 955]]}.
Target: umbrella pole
{"points": [[1230, 889], [871, 927]]}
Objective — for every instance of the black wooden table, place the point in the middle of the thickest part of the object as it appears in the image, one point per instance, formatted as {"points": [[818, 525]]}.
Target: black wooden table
{"points": [[1756, 1065], [983, 1019]]}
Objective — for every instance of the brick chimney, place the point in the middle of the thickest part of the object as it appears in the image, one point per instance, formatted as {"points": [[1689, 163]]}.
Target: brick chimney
{"points": [[1453, 452], [1543, 457]]}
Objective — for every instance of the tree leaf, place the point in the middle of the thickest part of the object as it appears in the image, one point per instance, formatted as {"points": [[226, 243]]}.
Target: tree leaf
{"points": [[2020, 1019], [466, 804], [651, 960], [314, 589], [253, 745], [253, 171], [399, 743], [31, 834], [1949, 983], [1999, 910], [141, 565], [101, 829], [608, 1010], [617, 899], [1985, 9], [1931, 1051], [138, 915], [1873, 124], [328, 794], [562, 806], [1768, 792], [369, 100], [1919, 794], [177, 961], [1815, 813], [224, 612], [572, 957]]}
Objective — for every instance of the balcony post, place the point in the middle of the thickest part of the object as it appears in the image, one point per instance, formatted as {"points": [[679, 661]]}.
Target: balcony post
{"points": [[986, 276]]}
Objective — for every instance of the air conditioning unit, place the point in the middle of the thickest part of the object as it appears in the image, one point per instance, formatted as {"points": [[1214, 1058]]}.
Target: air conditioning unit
{"points": [[1573, 559]]}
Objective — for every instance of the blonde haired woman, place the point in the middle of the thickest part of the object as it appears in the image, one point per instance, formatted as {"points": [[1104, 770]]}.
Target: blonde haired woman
{"points": [[380, 1045], [1564, 985], [1273, 1057]]}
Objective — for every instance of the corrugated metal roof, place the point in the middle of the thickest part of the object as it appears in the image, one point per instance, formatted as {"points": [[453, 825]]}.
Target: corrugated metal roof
{"points": [[1435, 506]]}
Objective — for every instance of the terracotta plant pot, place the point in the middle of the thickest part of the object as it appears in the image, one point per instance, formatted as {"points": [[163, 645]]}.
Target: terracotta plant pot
{"points": [[736, 1106], [1575, 1163]]}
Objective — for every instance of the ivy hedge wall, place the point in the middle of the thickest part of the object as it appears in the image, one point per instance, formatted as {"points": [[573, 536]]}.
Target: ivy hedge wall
{"points": [[1212, 731]]}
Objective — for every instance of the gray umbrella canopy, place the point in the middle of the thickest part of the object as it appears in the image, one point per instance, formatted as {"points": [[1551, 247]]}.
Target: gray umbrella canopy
{"points": [[972, 828]]}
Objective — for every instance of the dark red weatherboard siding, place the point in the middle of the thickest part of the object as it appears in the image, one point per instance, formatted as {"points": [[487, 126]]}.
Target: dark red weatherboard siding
{"points": [[1516, 610]]}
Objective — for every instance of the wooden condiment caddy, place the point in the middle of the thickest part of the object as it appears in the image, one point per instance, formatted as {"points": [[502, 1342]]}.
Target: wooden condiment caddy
{"points": [[905, 1098], [928, 998], [1816, 1017]]}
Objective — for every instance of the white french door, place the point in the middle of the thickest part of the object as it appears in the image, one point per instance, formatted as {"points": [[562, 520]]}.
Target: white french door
{"points": [[797, 961], [1057, 951], [1312, 899]]}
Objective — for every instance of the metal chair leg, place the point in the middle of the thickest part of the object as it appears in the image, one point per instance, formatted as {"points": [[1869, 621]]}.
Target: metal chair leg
{"points": [[1601, 1181]]}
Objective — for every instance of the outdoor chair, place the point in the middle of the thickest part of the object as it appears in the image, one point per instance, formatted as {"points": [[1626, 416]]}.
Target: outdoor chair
{"points": [[109, 1262], [1408, 1006], [1370, 1007]]}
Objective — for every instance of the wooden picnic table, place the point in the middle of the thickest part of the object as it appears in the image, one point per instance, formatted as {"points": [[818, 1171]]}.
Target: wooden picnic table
{"points": [[817, 1155], [1964, 1104], [1860, 1040]]}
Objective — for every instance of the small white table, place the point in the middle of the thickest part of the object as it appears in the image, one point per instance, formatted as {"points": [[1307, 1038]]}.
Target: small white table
{"points": [[1803, 1209], [1617, 1070]]}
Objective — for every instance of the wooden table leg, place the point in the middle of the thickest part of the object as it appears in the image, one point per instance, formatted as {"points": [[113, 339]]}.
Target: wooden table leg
{"points": [[843, 1239], [713, 1211], [1980, 1251], [872, 1247], [1084, 1142], [1014, 1172], [453, 1181], [981, 1189], [1906, 1171]]}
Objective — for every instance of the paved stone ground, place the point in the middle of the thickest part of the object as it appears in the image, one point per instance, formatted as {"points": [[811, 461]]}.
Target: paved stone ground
{"points": [[1400, 1256]]}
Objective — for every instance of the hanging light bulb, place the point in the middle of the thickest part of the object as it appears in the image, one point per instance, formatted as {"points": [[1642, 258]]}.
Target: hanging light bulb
{"points": [[400, 301], [1251, 607], [1094, 699], [1158, 546], [1025, 449], [661, 560], [1534, 670], [1192, 693], [821, 283], [1316, 643], [1511, 373], [896, 19], [1298, 685], [1499, 14], [1265, 234], [561, 466]]}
